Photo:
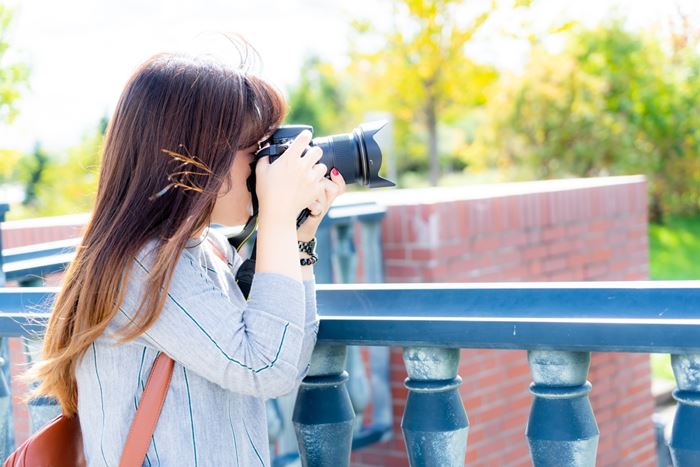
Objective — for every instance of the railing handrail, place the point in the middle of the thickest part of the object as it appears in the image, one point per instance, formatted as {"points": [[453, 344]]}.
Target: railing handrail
{"points": [[39, 260], [39, 250], [645, 317]]}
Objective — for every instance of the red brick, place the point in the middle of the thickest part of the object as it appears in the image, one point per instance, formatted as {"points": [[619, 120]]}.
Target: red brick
{"points": [[594, 233]]}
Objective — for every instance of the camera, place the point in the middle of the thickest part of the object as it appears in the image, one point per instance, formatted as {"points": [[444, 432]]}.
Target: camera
{"points": [[356, 155]]}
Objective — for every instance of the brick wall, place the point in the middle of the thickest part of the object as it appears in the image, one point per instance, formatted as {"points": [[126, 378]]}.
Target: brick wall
{"points": [[41, 230], [569, 230], [592, 229]]}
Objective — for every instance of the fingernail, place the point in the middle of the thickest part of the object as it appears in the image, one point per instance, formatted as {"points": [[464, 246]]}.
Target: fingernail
{"points": [[335, 172]]}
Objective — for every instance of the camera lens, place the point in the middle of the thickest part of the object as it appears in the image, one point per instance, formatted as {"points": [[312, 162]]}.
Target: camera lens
{"points": [[356, 155]]}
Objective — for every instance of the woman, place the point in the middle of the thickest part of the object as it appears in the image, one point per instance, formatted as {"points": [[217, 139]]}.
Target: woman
{"points": [[150, 276]]}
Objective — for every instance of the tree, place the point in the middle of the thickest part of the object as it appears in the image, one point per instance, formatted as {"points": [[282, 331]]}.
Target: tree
{"points": [[418, 69], [613, 102], [318, 98], [13, 76], [33, 169], [70, 186], [13, 80], [58, 185]]}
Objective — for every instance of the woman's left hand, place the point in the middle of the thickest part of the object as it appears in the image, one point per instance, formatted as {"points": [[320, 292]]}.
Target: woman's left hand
{"points": [[331, 190]]}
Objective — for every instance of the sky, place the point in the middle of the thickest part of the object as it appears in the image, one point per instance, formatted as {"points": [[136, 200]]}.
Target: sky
{"points": [[81, 52]]}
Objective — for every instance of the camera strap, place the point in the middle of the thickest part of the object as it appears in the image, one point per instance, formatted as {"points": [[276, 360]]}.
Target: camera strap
{"points": [[244, 275]]}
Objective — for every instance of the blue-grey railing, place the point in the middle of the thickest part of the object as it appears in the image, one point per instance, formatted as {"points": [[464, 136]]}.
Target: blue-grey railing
{"points": [[27, 266], [34, 262], [6, 420], [558, 324]]}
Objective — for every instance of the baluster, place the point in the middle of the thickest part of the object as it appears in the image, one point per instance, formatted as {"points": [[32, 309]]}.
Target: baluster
{"points": [[562, 429], [434, 424], [275, 425], [685, 443], [345, 259], [6, 432], [372, 254], [285, 441], [323, 416], [42, 409], [358, 385], [323, 269]]}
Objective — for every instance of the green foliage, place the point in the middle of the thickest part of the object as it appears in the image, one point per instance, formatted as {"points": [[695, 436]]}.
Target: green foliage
{"points": [[31, 169], [13, 76], [8, 162], [13, 80], [318, 99], [419, 72], [661, 366], [60, 185], [613, 102]]}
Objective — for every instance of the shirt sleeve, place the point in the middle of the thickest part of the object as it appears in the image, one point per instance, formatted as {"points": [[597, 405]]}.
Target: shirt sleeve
{"points": [[311, 321], [310, 328], [253, 350]]}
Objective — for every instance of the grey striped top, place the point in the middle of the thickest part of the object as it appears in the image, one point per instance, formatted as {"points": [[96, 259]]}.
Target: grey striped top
{"points": [[230, 355]]}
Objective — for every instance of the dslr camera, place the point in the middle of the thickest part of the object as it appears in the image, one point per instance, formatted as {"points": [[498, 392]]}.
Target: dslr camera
{"points": [[356, 155]]}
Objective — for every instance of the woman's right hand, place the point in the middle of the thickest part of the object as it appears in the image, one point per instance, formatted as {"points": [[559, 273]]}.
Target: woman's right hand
{"points": [[292, 182]]}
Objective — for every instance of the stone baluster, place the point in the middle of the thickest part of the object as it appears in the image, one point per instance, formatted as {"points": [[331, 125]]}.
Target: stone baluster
{"points": [[562, 429], [358, 385], [42, 409], [434, 423], [372, 253], [685, 443], [323, 415], [6, 434], [344, 254], [323, 269], [275, 424]]}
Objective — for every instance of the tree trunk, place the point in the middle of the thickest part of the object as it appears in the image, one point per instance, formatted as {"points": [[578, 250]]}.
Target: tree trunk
{"points": [[431, 121], [656, 212]]}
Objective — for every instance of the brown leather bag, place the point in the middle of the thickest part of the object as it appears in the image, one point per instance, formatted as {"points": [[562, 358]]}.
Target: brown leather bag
{"points": [[60, 442]]}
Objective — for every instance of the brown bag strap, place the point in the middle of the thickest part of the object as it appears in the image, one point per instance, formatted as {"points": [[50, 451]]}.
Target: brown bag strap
{"points": [[148, 412]]}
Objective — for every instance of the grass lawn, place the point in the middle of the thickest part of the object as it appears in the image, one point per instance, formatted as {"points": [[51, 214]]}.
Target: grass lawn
{"points": [[674, 249], [674, 253]]}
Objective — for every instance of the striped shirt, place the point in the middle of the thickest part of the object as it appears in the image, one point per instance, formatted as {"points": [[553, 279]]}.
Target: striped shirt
{"points": [[230, 355]]}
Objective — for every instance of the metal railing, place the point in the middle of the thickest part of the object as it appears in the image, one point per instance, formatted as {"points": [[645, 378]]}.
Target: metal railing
{"points": [[28, 266], [558, 324]]}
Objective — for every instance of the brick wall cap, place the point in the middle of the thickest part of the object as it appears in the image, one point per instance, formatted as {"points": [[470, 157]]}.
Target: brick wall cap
{"points": [[413, 196], [43, 222]]}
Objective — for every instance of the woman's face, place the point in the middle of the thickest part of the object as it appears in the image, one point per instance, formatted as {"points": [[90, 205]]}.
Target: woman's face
{"points": [[235, 206]]}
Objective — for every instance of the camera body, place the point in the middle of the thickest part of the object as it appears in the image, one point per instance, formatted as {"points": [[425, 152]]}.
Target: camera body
{"points": [[356, 155]]}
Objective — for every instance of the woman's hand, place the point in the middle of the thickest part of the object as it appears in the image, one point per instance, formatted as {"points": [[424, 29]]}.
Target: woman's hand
{"points": [[319, 208], [292, 182], [284, 188]]}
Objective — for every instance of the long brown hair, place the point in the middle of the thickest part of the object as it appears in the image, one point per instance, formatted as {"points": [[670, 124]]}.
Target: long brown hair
{"points": [[169, 148]]}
